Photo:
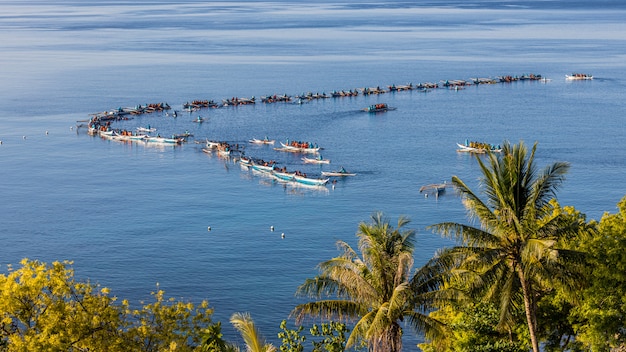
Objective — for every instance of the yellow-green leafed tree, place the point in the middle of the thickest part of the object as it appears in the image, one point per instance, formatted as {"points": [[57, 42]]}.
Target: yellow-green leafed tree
{"points": [[168, 325], [43, 308]]}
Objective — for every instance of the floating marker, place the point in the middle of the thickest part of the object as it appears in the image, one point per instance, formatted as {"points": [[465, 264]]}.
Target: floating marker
{"points": [[272, 228], [208, 228], [282, 235], [23, 137], [46, 132]]}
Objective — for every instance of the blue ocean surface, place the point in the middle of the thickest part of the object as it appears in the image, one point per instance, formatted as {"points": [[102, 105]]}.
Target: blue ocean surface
{"points": [[134, 216]]}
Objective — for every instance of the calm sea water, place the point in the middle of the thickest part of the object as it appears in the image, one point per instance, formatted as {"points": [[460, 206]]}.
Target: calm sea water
{"points": [[131, 216]]}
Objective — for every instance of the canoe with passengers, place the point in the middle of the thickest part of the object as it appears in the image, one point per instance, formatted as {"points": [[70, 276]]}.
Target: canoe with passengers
{"points": [[298, 147]]}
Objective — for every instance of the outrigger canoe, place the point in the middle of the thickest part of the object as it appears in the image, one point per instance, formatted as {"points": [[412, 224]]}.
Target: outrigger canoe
{"points": [[262, 141], [469, 149], [339, 173], [378, 108], [294, 149], [318, 160]]}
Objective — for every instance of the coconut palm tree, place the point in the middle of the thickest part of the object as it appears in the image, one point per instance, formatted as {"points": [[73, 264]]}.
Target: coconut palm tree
{"points": [[250, 334], [375, 288], [514, 255]]}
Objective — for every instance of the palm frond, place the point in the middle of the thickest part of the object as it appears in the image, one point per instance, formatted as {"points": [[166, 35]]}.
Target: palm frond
{"points": [[250, 334], [341, 310]]}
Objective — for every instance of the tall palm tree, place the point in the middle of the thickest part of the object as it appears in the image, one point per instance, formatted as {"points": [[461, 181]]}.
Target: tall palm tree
{"points": [[374, 289], [514, 253], [250, 334]]}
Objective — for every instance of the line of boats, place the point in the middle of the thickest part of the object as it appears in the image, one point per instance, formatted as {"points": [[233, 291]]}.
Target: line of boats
{"points": [[122, 113]]}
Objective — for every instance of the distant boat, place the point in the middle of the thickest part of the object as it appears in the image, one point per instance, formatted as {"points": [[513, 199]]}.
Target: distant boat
{"points": [[578, 76], [318, 160], [262, 141], [146, 129], [436, 188], [339, 173], [378, 108], [298, 148], [477, 147]]}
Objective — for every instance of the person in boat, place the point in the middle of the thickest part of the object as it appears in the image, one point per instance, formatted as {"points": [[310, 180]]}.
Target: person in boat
{"points": [[342, 170]]}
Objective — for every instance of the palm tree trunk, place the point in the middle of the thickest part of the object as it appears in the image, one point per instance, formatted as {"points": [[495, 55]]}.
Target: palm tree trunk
{"points": [[529, 305]]}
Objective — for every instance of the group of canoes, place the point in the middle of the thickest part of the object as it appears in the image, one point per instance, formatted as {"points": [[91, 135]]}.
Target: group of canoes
{"points": [[281, 174]]}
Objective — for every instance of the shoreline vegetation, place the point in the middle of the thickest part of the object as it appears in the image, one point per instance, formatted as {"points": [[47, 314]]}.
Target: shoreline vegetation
{"points": [[526, 273]]}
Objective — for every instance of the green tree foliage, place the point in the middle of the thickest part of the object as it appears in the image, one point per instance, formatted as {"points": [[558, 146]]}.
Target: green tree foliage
{"points": [[603, 310], [328, 337], [472, 327], [514, 257], [373, 288], [43, 308]]}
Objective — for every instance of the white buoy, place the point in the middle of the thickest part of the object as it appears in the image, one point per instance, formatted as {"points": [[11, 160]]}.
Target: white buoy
{"points": [[46, 132], [208, 228], [23, 137], [282, 235], [272, 228], [71, 128]]}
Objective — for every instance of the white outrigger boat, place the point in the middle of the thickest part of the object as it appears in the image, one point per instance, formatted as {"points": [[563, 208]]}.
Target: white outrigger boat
{"points": [[295, 149], [339, 173], [262, 141], [578, 76], [318, 160], [483, 148], [146, 129]]}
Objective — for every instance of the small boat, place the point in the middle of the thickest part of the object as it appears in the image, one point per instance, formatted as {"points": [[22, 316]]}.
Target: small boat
{"points": [[339, 173], [436, 188], [478, 147], [318, 160], [310, 181], [378, 108], [262, 141], [578, 76], [214, 144], [146, 129], [298, 148]]}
